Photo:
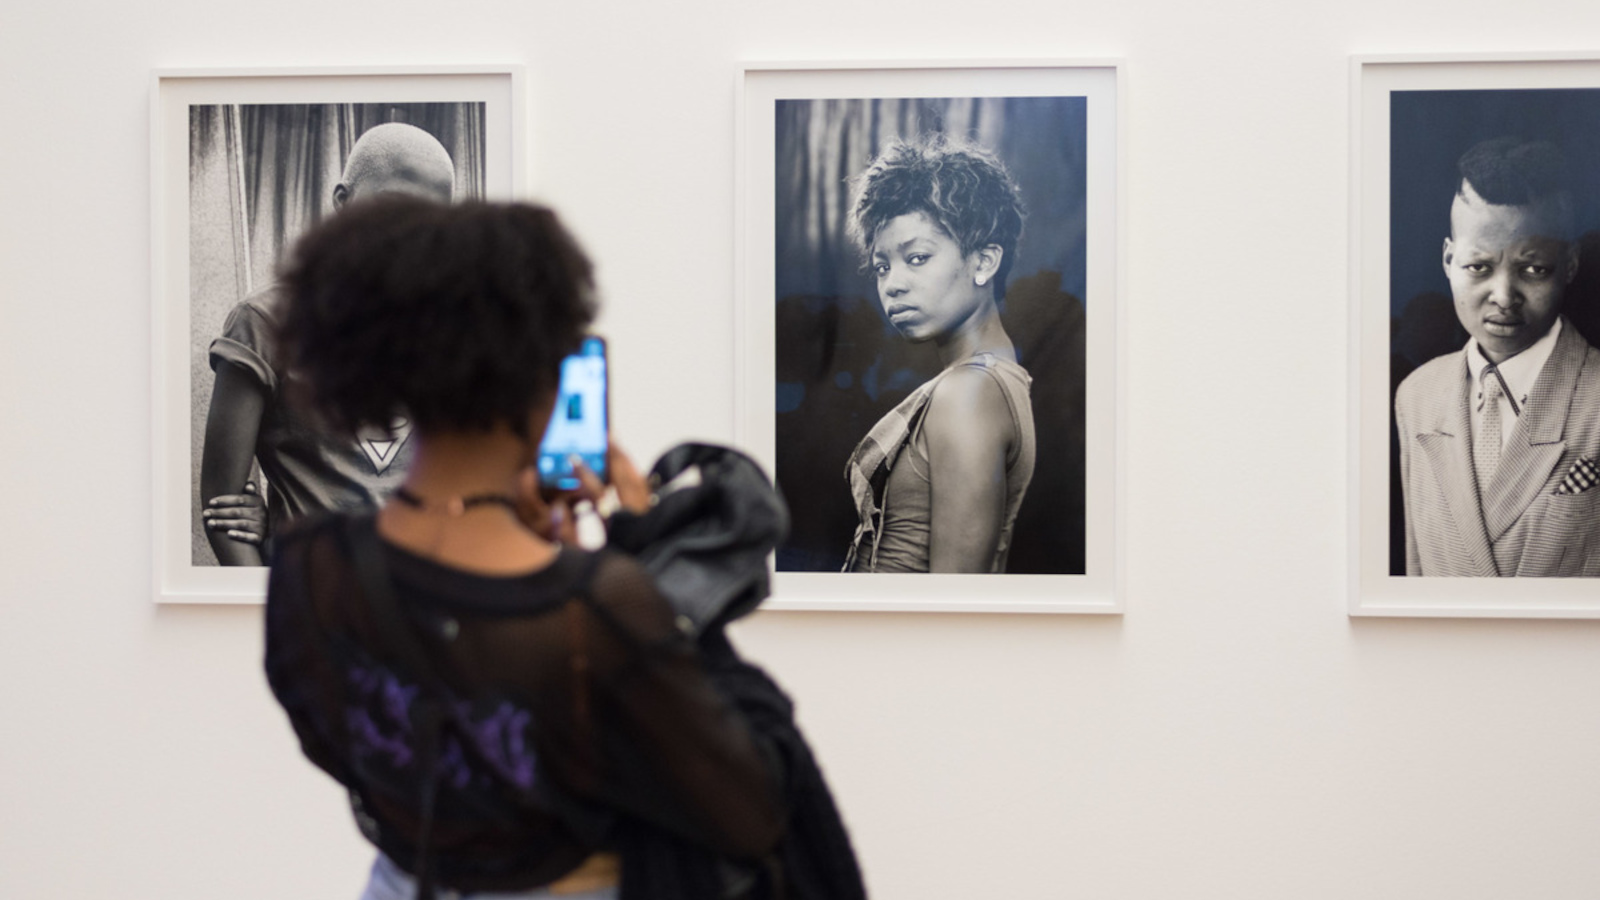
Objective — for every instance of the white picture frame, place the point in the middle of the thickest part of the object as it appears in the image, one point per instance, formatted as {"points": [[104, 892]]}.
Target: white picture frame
{"points": [[228, 101], [1411, 118], [965, 88]]}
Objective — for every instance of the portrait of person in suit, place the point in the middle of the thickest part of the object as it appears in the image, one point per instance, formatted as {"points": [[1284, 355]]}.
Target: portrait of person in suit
{"points": [[1499, 441]]}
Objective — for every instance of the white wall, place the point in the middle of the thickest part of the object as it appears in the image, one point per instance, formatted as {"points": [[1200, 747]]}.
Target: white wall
{"points": [[1233, 736]]}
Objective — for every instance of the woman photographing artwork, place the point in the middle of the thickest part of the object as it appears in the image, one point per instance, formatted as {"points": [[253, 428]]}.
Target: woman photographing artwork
{"points": [[511, 716], [938, 480]]}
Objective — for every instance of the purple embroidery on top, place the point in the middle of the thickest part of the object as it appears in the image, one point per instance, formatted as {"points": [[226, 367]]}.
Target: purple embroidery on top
{"points": [[396, 697], [367, 739], [379, 715], [502, 738], [379, 723]]}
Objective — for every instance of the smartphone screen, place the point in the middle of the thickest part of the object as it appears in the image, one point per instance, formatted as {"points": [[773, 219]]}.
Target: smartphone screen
{"points": [[578, 426]]}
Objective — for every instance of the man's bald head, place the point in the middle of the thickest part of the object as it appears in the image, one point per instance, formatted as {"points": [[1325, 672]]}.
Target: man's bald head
{"points": [[396, 158]]}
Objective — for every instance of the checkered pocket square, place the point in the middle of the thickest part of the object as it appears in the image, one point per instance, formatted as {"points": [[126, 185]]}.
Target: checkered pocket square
{"points": [[1583, 475]]}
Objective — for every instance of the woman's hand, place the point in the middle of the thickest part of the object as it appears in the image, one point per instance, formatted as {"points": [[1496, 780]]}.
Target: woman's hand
{"points": [[632, 491], [241, 517], [555, 517], [550, 518]]}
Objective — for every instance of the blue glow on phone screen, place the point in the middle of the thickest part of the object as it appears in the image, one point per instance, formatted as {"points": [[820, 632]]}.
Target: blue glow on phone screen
{"points": [[578, 424]]}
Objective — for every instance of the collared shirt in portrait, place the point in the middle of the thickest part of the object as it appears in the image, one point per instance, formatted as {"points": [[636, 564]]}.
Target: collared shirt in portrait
{"points": [[1520, 372]]}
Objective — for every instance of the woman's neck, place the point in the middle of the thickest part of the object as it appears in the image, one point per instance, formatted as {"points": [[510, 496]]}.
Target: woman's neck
{"points": [[466, 464], [486, 538], [982, 333]]}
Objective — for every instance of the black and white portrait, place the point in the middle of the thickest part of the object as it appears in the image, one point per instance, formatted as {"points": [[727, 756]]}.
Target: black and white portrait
{"points": [[1495, 275], [1477, 430], [259, 175], [930, 333], [242, 163]]}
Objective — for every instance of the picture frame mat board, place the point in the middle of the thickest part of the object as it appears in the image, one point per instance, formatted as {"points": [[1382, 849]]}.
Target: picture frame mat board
{"points": [[1374, 591], [500, 91], [761, 86]]}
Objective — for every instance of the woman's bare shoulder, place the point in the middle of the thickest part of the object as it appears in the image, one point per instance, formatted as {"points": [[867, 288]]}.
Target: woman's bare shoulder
{"points": [[967, 393], [967, 414]]}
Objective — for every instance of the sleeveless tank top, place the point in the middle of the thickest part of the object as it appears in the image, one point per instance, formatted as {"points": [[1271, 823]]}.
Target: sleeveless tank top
{"points": [[894, 534]]}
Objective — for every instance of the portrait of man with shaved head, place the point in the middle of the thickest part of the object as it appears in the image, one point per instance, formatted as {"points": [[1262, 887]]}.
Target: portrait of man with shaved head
{"points": [[252, 429]]}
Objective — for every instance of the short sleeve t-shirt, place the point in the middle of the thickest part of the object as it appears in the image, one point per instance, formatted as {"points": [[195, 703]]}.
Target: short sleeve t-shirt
{"points": [[306, 469]]}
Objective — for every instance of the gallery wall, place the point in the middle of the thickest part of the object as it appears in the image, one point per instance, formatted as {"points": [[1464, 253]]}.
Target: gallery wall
{"points": [[1234, 735]]}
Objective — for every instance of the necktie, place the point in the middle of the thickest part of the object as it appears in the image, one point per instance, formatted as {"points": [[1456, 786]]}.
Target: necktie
{"points": [[1486, 446]]}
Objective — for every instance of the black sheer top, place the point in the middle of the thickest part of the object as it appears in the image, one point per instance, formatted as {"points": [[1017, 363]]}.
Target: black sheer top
{"points": [[575, 697]]}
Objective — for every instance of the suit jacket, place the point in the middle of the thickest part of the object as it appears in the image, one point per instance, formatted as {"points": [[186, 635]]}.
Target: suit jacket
{"points": [[1519, 526]]}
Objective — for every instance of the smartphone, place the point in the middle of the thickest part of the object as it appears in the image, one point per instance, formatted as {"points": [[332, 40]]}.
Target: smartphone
{"points": [[579, 426]]}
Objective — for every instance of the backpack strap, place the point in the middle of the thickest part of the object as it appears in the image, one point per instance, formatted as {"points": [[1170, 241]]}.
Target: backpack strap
{"points": [[582, 676], [361, 538]]}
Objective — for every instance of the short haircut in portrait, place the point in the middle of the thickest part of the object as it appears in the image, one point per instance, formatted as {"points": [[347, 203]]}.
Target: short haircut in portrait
{"points": [[259, 176], [1510, 171], [841, 364], [1515, 147]]}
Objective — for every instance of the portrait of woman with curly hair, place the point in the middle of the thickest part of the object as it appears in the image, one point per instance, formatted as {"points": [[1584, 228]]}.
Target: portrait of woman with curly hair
{"points": [[931, 274]]}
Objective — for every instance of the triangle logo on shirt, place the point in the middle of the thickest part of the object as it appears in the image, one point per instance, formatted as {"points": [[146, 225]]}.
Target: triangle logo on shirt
{"points": [[382, 447]]}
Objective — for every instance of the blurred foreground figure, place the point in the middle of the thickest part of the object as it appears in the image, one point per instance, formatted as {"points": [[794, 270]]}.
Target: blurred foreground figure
{"points": [[513, 716]]}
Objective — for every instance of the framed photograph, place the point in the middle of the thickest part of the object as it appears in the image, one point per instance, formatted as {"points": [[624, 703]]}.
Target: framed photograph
{"points": [[1475, 403], [929, 292], [243, 162]]}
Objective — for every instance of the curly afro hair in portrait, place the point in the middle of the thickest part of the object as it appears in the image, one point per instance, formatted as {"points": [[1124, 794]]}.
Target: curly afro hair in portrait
{"points": [[456, 316], [964, 188]]}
